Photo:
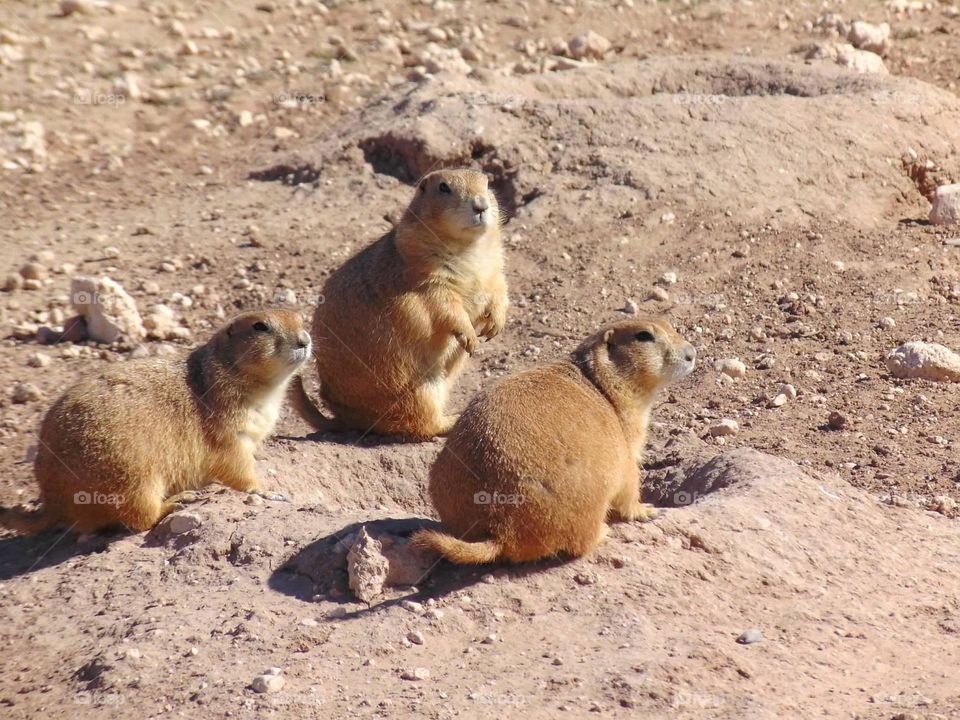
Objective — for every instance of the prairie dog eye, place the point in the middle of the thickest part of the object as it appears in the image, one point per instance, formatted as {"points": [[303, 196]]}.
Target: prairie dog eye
{"points": [[444, 188], [261, 327], [645, 336]]}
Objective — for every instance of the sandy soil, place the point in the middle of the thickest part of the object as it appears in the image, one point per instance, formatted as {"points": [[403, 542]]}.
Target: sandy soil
{"points": [[228, 155]]}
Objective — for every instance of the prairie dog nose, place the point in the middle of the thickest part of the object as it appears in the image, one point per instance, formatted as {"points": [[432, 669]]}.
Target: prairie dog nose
{"points": [[690, 354], [303, 339], [480, 203]]}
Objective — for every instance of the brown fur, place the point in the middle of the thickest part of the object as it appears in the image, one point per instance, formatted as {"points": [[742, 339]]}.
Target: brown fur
{"points": [[124, 448], [534, 465], [398, 319]]}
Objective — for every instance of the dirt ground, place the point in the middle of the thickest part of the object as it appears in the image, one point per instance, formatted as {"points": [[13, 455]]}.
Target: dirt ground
{"points": [[220, 156]]}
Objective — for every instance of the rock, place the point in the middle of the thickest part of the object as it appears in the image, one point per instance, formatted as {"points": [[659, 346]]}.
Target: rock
{"points": [[415, 637], [13, 282], [179, 524], [862, 61], [416, 674], [588, 45], [789, 390], [658, 293], [82, 7], [161, 324], [927, 361], [749, 636], [946, 205], [887, 323], [732, 367], [74, 329], [33, 271], [38, 360], [630, 307], [724, 428], [779, 400], [25, 393], [870, 37], [668, 278], [110, 313], [367, 567], [268, 683]]}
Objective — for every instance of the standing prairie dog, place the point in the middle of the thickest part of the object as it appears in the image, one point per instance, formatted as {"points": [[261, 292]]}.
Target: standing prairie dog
{"points": [[535, 465], [126, 447], [398, 319]]}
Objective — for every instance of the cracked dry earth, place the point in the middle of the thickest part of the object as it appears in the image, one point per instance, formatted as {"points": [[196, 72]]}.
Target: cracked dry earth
{"points": [[212, 157]]}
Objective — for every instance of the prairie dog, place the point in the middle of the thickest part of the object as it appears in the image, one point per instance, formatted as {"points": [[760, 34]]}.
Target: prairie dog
{"points": [[535, 464], [399, 318], [126, 447]]}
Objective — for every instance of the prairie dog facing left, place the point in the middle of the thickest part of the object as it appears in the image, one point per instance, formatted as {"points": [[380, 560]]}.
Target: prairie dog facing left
{"points": [[399, 318], [535, 464], [125, 447]]}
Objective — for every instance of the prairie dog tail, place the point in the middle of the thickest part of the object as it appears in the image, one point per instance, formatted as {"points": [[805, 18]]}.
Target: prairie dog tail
{"points": [[26, 522], [305, 407], [455, 550]]}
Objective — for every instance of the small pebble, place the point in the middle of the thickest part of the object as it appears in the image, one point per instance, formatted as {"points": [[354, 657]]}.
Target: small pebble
{"points": [[25, 392], [732, 367], [267, 683], [725, 427], [749, 636], [837, 421], [416, 674], [415, 637]]}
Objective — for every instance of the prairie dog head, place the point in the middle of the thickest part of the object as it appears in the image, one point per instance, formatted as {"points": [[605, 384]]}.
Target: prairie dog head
{"points": [[457, 204], [268, 346], [645, 354]]}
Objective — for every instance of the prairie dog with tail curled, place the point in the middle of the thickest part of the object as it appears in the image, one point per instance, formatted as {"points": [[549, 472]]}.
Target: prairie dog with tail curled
{"points": [[535, 464]]}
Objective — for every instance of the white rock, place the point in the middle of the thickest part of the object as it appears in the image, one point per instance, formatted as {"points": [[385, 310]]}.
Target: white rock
{"points": [[887, 323], [415, 637], [416, 674], [589, 45], [946, 205], [928, 361], [38, 360], [268, 683], [658, 293], [161, 324], [630, 307], [669, 278], [845, 54], [725, 427], [25, 392], [110, 313], [870, 37], [779, 401], [732, 367], [789, 390], [69, 7], [180, 523]]}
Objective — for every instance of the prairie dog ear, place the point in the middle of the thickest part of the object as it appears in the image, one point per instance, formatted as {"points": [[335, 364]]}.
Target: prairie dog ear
{"points": [[608, 336]]}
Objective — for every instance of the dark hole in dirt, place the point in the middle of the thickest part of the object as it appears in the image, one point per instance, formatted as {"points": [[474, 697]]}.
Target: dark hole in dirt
{"points": [[408, 160], [287, 174]]}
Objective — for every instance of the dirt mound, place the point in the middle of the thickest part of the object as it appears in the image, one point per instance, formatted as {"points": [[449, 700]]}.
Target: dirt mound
{"points": [[659, 609], [770, 137]]}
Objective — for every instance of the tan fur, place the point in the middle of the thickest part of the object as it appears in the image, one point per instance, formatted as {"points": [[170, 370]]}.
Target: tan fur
{"points": [[125, 447], [535, 465], [398, 319]]}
